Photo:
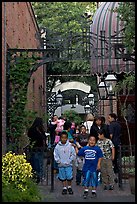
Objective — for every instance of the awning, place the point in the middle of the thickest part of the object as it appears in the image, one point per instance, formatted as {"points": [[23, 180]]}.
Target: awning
{"points": [[107, 51]]}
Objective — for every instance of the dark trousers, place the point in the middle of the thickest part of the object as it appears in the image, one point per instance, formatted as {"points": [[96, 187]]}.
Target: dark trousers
{"points": [[78, 176], [115, 161], [37, 161]]}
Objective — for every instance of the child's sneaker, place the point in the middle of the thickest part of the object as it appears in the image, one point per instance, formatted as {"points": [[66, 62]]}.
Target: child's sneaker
{"points": [[105, 187], [70, 191], [111, 187], [64, 191], [85, 194], [93, 195]]}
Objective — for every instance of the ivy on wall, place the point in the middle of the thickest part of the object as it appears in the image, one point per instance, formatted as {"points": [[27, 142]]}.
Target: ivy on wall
{"points": [[19, 119]]}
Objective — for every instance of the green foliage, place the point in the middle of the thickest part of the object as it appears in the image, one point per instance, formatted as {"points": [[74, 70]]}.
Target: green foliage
{"points": [[15, 169], [126, 12], [12, 194], [72, 116], [62, 16], [19, 118], [127, 83], [128, 163], [17, 183], [60, 19]]}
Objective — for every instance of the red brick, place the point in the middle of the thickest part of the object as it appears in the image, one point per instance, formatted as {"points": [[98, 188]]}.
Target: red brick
{"points": [[19, 28]]}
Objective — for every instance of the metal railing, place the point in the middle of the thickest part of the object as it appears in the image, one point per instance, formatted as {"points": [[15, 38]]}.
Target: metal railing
{"points": [[126, 162]]}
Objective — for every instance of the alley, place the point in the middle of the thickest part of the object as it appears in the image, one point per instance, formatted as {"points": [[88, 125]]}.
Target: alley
{"points": [[117, 195]]}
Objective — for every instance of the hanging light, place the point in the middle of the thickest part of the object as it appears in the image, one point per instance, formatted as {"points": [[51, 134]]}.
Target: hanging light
{"points": [[91, 99], [110, 81], [102, 89], [59, 98], [87, 109]]}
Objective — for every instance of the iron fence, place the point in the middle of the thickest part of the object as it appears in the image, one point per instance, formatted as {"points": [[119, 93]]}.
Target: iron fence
{"points": [[126, 163]]}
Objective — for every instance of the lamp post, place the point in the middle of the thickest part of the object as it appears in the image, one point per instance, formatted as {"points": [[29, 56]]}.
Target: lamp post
{"points": [[54, 101], [91, 99], [87, 108], [106, 88], [110, 81], [89, 104], [102, 89], [58, 98]]}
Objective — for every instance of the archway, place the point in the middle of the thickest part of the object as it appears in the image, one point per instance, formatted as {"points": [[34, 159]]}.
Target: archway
{"points": [[75, 92], [72, 85]]}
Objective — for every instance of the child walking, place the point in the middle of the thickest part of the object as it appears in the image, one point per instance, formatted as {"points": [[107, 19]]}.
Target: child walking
{"points": [[92, 159], [81, 141], [64, 155], [107, 173]]}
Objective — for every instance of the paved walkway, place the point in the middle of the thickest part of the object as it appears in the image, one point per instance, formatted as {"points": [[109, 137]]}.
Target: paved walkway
{"points": [[117, 195]]}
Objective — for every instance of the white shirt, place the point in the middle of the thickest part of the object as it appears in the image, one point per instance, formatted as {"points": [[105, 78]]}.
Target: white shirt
{"points": [[88, 125]]}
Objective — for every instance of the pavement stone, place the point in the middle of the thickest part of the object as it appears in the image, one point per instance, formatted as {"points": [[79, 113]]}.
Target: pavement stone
{"points": [[116, 195]]}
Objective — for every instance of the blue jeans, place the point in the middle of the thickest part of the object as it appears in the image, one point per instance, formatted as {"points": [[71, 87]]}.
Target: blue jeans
{"points": [[90, 179], [36, 161]]}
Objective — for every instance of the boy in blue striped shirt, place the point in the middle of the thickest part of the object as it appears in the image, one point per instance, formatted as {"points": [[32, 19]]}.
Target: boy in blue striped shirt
{"points": [[92, 155]]}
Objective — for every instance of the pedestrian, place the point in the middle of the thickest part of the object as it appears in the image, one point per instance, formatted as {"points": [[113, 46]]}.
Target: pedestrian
{"points": [[97, 124], [51, 127], [36, 134], [107, 173], [57, 136], [72, 129], [115, 133], [67, 128], [89, 122], [76, 131], [92, 159], [81, 141], [105, 127], [57, 139], [60, 123], [64, 155]]}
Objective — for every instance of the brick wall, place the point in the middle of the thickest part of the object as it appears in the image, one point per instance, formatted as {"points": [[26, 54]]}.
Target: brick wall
{"points": [[19, 30], [3, 84]]}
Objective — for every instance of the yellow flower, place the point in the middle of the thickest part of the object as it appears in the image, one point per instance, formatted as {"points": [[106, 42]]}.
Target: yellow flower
{"points": [[15, 168]]}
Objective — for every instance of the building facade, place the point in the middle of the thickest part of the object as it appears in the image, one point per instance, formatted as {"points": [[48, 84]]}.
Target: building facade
{"points": [[20, 30], [108, 54]]}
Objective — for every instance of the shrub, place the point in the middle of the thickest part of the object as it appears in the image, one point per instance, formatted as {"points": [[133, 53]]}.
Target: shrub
{"points": [[128, 164], [11, 194], [72, 116], [17, 182]]}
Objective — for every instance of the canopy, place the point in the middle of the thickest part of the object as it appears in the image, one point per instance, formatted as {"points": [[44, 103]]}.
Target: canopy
{"points": [[106, 41]]}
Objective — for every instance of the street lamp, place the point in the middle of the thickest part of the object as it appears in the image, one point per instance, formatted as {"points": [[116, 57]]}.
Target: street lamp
{"points": [[110, 81], [87, 108], [54, 101], [91, 99], [106, 86], [102, 89], [59, 98], [89, 104]]}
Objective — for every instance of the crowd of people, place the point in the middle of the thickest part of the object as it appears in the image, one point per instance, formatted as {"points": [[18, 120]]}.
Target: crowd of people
{"points": [[90, 147]]}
